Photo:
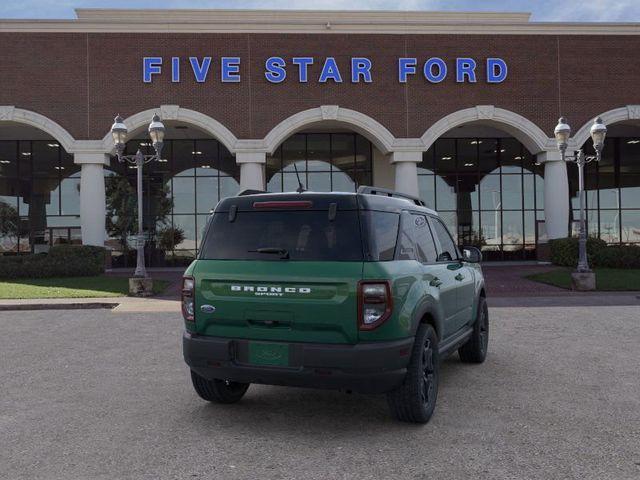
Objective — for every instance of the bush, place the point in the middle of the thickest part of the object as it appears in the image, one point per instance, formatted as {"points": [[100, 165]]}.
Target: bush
{"points": [[61, 261], [618, 256], [564, 251]]}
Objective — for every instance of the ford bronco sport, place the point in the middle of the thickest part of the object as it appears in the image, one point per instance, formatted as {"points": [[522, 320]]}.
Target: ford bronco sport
{"points": [[362, 292]]}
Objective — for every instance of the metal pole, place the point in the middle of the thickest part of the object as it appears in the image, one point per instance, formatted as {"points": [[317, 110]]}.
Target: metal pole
{"points": [[583, 263], [140, 269]]}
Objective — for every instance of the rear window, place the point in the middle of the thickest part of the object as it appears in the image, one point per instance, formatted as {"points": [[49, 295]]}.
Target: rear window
{"points": [[303, 235]]}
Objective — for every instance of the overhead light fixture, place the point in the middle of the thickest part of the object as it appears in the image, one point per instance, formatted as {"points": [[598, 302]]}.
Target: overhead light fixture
{"points": [[502, 150], [4, 162], [468, 164], [53, 145], [632, 142], [447, 158], [476, 142], [132, 166], [59, 168], [517, 158], [162, 160], [205, 166], [25, 154], [145, 144], [197, 152]]}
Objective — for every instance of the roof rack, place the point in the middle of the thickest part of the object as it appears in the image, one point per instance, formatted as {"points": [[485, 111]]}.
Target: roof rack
{"points": [[390, 193]]}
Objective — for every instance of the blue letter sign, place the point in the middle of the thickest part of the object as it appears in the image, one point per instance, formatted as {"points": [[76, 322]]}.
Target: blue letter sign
{"points": [[200, 71], [434, 69], [275, 69], [496, 70], [151, 66]]}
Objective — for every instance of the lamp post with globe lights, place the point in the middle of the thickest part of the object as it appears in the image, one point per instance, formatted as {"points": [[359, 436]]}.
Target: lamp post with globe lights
{"points": [[583, 278], [119, 133]]}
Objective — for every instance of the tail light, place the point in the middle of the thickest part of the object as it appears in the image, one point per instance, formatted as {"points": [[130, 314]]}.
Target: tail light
{"points": [[188, 298], [375, 303]]}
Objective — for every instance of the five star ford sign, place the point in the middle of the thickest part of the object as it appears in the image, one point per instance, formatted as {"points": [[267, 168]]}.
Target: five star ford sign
{"points": [[361, 69]]}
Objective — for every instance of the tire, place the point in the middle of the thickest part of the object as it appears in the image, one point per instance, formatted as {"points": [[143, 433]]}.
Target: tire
{"points": [[475, 350], [415, 400], [218, 391]]}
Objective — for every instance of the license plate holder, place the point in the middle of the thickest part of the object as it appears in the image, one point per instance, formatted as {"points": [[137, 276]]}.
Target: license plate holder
{"points": [[269, 354]]}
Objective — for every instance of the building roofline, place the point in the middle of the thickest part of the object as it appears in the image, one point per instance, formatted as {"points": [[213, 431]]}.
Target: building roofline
{"points": [[311, 22]]}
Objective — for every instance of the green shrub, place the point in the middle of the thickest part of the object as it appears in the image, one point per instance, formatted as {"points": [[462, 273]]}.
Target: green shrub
{"points": [[564, 251], [618, 256], [61, 261]]}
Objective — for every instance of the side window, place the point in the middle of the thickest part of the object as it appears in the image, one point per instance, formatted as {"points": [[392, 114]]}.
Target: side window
{"points": [[381, 232], [406, 246], [423, 239], [449, 251]]}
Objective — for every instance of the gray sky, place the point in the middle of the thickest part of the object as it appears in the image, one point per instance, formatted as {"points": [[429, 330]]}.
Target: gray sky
{"points": [[543, 10]]}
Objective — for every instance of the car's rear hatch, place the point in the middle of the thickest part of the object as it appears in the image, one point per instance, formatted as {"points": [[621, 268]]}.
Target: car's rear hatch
{"points": [[282, 268]]}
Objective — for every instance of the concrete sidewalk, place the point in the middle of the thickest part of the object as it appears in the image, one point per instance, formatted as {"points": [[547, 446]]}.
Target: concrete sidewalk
{"points": [[117, 304]]}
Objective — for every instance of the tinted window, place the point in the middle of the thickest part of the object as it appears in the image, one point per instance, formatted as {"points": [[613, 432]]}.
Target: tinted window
{"points": [[382, 233], [424, 241], [406, 242], [307, 235], [449, 251]]}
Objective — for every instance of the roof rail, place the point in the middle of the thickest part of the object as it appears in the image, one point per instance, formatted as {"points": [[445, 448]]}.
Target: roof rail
{"points": [[390, 193]]}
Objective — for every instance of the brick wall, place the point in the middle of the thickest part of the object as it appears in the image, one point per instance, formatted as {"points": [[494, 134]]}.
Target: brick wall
{"points": [[82, 80]]}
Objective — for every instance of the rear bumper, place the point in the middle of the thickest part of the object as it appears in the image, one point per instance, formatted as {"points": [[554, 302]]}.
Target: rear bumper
{"points": [[374, 367]]}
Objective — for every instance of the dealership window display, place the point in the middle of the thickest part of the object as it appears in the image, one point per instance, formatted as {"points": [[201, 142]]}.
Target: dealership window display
{"points": [[39, 196], [489, 192], [193, 175]]}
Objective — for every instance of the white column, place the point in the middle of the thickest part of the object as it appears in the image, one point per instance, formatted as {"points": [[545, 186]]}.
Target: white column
{"points": [[556, 194], [92, 197], [406, 165], [251, 170]]}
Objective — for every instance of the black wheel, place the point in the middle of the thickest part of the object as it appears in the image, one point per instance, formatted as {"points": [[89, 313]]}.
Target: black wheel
{"points": [[415, 400], [475, 350], [218, 391]]}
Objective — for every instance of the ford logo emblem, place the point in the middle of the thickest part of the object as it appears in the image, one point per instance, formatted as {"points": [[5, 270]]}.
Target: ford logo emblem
{"points": [[207, 308]]}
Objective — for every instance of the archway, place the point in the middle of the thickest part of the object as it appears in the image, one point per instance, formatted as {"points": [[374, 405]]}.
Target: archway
{"points": [[612, 185], [486, 185], [333, 149], [39, 184], [195, 172]]}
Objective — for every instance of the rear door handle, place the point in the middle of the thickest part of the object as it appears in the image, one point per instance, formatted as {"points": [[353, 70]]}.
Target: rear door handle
{"points": [[435, 282], [459, 277]]}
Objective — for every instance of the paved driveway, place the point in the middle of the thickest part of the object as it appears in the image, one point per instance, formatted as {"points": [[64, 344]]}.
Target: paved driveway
{"points": [[98, 394]]}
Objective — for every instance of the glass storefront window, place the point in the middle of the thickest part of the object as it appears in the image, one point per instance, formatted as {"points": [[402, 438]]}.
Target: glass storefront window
{"points": [[490, 191], [325, 162]]}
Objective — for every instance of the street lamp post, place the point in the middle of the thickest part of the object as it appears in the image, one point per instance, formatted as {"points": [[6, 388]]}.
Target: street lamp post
{"points": [[562, 133], [119, 133]]}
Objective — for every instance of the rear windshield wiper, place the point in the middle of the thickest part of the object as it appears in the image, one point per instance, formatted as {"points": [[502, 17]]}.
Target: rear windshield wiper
{"points": [[284, 254]]}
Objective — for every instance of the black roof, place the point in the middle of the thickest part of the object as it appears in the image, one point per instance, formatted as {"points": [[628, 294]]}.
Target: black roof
{"points": [[322, 201]]}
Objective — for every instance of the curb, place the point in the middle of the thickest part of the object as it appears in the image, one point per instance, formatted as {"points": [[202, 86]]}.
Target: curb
{"points": [[58, 306]]}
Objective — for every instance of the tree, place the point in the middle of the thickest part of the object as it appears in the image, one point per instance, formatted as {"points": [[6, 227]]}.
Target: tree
{"points": [[9, 221], [122, 209]]}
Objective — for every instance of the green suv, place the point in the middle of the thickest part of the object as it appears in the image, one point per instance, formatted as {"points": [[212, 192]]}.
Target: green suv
{"points": [[362, 292]]}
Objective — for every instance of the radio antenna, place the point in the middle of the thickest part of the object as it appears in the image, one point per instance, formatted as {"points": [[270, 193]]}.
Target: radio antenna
{"points": [[300, 188]]}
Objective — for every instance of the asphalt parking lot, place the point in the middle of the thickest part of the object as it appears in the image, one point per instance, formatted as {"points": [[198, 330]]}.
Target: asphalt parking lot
{"points": [[99, 394]]}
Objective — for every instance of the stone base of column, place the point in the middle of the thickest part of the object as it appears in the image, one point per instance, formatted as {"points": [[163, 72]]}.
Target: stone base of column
{"points": [[583, 281], [141, 286]]}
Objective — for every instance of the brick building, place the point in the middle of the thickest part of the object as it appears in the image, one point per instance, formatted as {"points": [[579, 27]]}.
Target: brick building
{"points": [[458, 108]]}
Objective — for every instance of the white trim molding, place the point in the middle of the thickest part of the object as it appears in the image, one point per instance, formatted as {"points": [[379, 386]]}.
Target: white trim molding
{"points": [[309, 21], [179, 114], [363, 124], [527, 132], [10, 113], [629, 112]]}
